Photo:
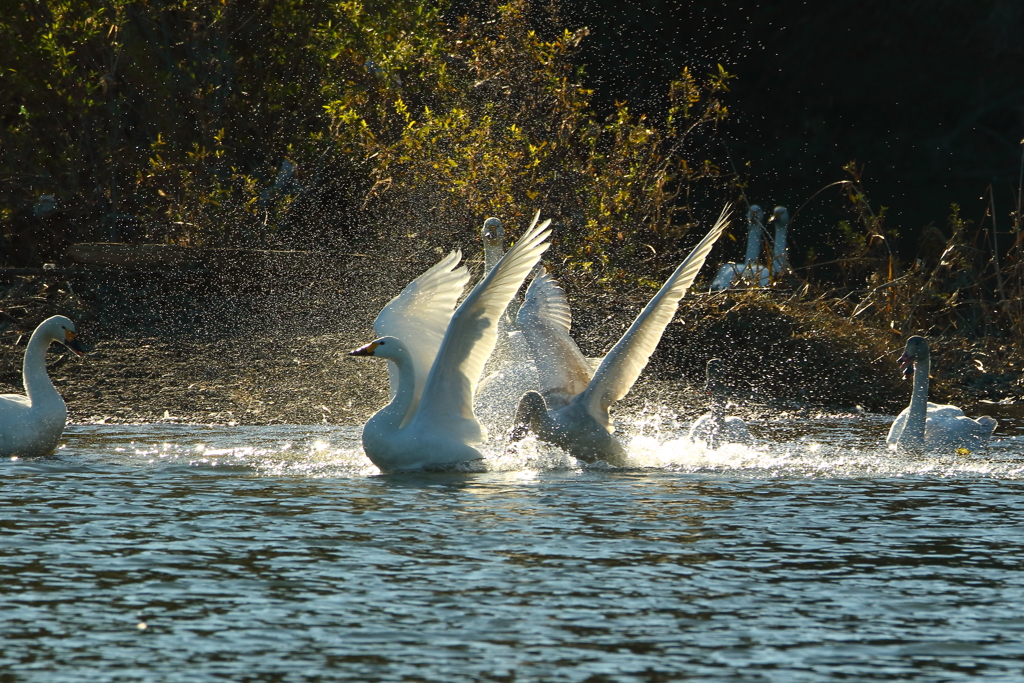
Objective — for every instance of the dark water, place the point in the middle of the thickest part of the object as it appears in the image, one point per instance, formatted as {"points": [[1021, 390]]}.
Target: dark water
{"points": [[189, 553]]}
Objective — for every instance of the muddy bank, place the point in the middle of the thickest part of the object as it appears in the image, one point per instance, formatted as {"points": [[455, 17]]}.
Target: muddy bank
{"points": [[196, 346]]}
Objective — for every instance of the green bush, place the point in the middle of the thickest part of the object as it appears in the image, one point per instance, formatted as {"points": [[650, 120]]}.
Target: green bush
{"points": [[312, 123]]}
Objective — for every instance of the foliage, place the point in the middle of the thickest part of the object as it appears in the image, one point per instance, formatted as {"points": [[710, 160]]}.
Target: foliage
{"points": [[963, 282], [166, 120], [495, 122], [318, 123]]}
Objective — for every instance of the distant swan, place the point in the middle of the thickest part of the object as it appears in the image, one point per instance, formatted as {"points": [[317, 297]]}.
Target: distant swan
{"points": [[31, 425], [571, 410], [750, 270], [438, 358], [510, 372], [715, 428], [780, 259], [924, 426]]}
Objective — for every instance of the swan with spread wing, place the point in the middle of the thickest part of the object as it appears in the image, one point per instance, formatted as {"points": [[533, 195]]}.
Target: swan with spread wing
{"points": [[571, 410], [436, 357]]}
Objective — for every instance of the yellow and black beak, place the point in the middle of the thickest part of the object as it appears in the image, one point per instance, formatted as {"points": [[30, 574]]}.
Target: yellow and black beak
{"points": [[71, 341], [365, 350]]}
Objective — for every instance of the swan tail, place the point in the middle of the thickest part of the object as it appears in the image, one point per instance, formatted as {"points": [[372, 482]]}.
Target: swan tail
{"points": [[989, 423]]}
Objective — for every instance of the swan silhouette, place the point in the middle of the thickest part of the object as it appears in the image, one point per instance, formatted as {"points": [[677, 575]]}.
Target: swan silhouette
{"points": [[716, 428], [31, 425], [924, 426], [571, 409], [438, 357]]}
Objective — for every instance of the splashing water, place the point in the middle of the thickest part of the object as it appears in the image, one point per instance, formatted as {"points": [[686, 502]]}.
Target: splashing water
{"points": [[817, 446]]}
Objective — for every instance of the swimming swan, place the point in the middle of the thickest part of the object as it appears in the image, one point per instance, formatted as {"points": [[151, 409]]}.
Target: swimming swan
{"points": [[571, 410], [715, 428], [438, 358], [924, 426], [31, 425]]}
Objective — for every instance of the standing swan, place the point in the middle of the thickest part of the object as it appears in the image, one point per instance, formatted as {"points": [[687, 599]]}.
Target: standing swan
{"points": [[31, 425], [715, 428], [429, 422], [749, 270], [924, 426], [571, 411]]}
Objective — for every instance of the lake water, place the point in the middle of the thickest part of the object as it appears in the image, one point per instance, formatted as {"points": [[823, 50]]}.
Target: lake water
{"points": [[169, 552]]}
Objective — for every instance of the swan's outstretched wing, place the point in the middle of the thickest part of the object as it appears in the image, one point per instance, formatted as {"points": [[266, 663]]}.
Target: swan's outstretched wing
{"points": [[627, 359], [419, 317], [544, 320], [447, 401]]}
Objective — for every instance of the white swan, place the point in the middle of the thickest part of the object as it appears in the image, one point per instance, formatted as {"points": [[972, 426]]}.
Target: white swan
{"points": [[780, 259], [749, 270], [715, 428], [924, 426], [571, 410], [31, 425], [510, 372], [438, 358]]}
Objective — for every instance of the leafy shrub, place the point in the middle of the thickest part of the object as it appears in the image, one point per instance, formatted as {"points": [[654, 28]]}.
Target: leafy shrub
{"points": [[314, 123]]}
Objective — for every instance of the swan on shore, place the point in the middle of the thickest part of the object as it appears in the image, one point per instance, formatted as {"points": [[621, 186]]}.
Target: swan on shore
{"points": [[924, 426], [715, 428], [31, 425], [750, 270], [571, 409], [438, 357], [780, 258]]}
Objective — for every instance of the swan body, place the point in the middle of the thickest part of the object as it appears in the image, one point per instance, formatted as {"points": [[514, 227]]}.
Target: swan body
{"points": [[437, 356], [749, 270], [924, 426], [571, 408], [510, 372], [716, 428], [31, 425]]}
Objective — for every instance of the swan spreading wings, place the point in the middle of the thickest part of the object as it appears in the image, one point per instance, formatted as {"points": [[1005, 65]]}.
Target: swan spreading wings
{"points": [[571, 410], [436, 354]]}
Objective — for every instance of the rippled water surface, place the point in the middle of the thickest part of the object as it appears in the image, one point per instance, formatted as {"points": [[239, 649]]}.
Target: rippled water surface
{"points": [[187, 553]]}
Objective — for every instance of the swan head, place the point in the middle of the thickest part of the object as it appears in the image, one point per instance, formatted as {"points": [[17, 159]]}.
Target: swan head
{"points": [[781, 216], [385, 347], [62, 330], [755, 214], [915, 351], [493, 233]]}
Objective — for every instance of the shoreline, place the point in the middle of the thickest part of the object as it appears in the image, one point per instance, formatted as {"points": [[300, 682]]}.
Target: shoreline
{"points": [[201, 351]]}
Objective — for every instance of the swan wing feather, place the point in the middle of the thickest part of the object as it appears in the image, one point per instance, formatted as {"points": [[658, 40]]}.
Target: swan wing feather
{"points": [[544, 320], [447, 400], [419, 317], [627, 359]]}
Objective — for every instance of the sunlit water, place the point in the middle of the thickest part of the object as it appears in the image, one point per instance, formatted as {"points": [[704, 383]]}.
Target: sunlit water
{"points": [[171, 552]]}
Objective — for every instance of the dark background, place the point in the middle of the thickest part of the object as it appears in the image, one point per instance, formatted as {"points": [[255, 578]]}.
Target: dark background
{"points": [[926, 96]]}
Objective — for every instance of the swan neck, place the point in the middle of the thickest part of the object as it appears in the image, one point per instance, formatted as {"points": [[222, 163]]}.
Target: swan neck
{"points": [[912, 437], [394, 415], [38, 385], [492, 254], [779, 252], [753, 242]]}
